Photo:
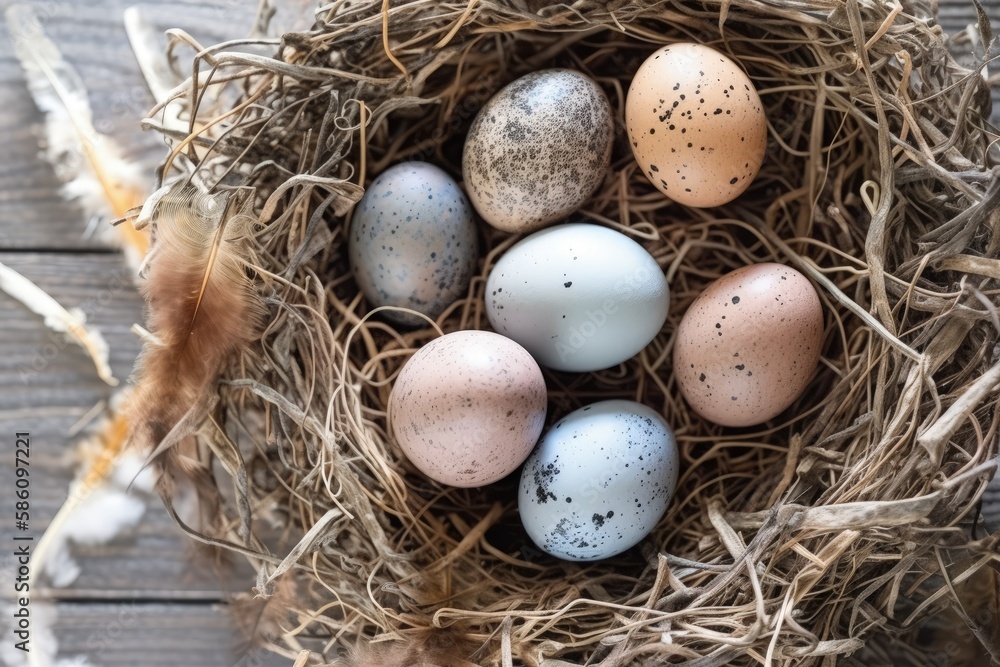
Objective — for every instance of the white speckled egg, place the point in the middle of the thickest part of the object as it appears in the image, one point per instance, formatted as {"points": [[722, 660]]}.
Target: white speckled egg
{"points": [[599, 480], [467, 408], [696, 125], [538, 149], [578, 296], [413, 241], [748, 345]]}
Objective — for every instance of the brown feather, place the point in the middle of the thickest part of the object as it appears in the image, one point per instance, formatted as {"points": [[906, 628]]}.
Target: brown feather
{"points": [[201, 309], [427, 648]]}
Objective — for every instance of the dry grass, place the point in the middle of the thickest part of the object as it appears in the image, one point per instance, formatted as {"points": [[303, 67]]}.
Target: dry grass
{"points": [[790, 543]]}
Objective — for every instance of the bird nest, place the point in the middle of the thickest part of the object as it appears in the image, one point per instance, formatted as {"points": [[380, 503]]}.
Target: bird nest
{"points": [[852, 513]]}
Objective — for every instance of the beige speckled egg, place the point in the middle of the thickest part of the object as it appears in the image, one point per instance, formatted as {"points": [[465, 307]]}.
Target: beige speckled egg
{"points": [[537, 149], [696, 125], [467, 408], [748, 345]]}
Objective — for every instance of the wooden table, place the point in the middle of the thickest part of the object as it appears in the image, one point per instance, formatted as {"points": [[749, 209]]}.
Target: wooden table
{"points": [[142, 599]]}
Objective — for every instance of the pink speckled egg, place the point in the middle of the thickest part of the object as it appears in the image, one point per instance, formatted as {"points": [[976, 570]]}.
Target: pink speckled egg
{"points": [[748, 345], [696, 124], [468, 407]]}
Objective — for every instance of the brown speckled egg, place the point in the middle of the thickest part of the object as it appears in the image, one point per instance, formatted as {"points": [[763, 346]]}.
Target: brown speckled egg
{"points": [[538, 149], [748, 345], [696, 125], [467, 408]]}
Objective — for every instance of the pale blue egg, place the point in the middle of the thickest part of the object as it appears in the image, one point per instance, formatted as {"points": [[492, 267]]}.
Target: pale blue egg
{"points": [[599, 481], [579, 297], [413, 241]]}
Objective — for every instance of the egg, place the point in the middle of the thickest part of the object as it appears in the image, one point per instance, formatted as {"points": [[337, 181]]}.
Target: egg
{"points": [[578, 297], [412, 241], [748, 344], [537, 149], [599, 480], [467, 408], [696, 125]]}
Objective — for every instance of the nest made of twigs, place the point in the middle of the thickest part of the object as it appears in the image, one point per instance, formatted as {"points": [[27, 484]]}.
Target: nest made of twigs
{"points": [[788, 543]]}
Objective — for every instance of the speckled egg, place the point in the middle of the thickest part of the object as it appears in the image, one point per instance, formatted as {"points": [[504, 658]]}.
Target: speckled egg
{"points": [[696, 125], [538, 149], [579, 297], [599, 481], [467, 408], [412, 241], [748, 345]]}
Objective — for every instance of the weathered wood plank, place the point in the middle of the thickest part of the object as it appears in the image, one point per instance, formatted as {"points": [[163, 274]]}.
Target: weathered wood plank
{"points": [[38, 369], [991, 505], [46, 385], [152, 560], [128, 633], [91, 36], [956, 16]]}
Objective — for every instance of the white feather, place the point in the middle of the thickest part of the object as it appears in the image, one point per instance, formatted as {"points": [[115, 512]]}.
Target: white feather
{"points": [[43, 643], [104, 515], [106, 499], [60, 567], [89, 164], [132, 472], [155, 68], [99, 516], [57, 318]]}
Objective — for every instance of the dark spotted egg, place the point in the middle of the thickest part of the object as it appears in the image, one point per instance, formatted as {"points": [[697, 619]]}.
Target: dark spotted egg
{"points": [[413, 241], [748, 345], [696, 125], [598, 481], [538, 149]]}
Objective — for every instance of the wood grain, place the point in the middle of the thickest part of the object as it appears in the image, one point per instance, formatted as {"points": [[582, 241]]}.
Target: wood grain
{"points": [[47, 385], [130, 633], [91, 36]]}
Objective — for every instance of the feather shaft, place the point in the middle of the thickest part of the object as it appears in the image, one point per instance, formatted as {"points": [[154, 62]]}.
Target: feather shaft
{"points": [[201, 310], [111, 441], [94, 172], [59, 319], [213, 255]]}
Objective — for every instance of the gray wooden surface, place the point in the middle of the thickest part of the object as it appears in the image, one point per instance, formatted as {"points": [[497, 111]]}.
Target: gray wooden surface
{"points": [[141, 599]]}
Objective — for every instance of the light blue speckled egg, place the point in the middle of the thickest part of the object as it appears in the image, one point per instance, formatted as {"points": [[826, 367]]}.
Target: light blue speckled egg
{"points": [[413, 241], [599, 481]]}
